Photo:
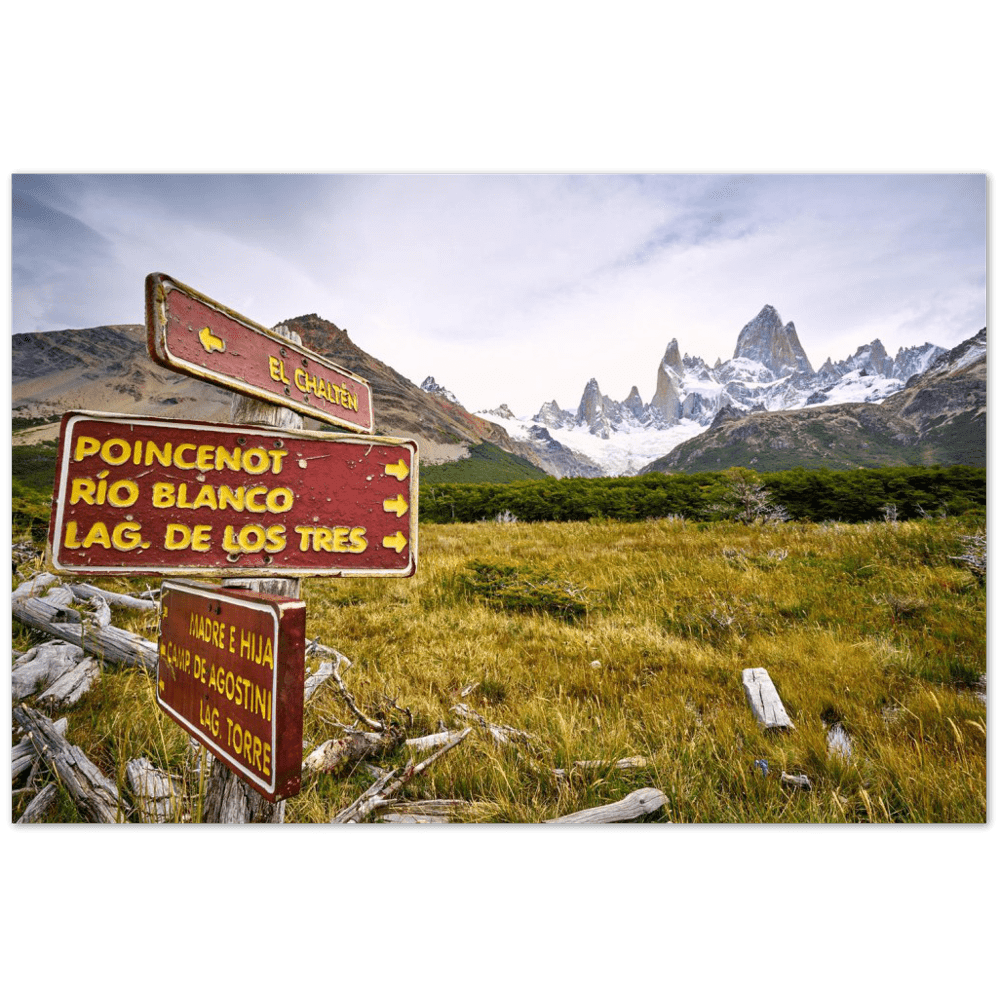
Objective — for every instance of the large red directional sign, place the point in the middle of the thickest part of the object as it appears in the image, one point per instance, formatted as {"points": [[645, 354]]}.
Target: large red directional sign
{"points": [[231, 671], [188, 332], [136, 495]]}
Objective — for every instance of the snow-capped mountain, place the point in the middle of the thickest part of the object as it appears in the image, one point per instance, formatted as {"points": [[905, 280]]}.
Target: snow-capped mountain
{"points": [[431, 386], [769, 371]]}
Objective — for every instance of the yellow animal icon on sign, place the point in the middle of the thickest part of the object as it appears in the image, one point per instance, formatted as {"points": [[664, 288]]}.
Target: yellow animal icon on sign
{"points": [[209, 340]]}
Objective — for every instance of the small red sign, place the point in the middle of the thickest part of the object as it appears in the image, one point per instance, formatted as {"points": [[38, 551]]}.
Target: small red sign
{"points": [[136, 495], [231, 671], [188, 332]]}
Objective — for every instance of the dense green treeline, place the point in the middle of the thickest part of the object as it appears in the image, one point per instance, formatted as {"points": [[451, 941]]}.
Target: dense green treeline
{"points": [[806, 494]]}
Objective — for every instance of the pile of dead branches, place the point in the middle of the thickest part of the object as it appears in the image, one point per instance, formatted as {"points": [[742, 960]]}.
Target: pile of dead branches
{"points": [[58, 671]]}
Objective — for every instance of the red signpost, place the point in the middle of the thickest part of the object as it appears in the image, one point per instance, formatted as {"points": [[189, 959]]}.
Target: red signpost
{"points": [[231, 672], [145, 496], [188, 332]]}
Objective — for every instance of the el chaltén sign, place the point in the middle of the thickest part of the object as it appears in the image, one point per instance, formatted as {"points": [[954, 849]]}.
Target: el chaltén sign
{"points": [[189, 333], [181, 498]]}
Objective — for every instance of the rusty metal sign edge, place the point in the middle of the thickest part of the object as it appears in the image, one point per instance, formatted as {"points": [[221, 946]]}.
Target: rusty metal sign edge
{"points": [[62, 472], [156, 338]]}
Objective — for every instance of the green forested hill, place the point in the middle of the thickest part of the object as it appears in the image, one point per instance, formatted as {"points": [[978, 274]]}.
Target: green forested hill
{"points": [[486, 464]]}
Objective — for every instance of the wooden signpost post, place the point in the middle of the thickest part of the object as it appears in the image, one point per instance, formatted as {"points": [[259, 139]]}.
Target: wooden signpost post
{"points": [[260, 503]]}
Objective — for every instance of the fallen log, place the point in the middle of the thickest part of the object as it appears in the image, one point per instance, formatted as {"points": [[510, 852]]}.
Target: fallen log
{"points": [[24, 755], [386, 787], [157, 799], [111, 644], [762, 696], [350, 749], [633, 806], [434, 740], [38, 809], [61, 597], [625, 764], [34, 586], [417, 818], [42, 665], [94, 795], [323, 672], [72, 685], [88, 590], [424, 810]]}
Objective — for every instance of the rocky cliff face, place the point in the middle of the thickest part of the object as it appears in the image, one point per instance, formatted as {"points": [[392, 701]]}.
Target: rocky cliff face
{"points": [[765, 340]]}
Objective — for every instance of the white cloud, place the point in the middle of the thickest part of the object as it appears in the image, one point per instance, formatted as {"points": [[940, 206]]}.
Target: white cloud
{"points": [[518, 288]]}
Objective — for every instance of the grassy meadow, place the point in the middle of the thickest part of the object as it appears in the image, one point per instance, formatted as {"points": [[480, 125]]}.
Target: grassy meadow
{"points": [[607, 640]]}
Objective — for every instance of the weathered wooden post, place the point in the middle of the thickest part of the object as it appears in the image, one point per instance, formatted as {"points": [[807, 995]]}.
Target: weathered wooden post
{"points": [[228, 799]]}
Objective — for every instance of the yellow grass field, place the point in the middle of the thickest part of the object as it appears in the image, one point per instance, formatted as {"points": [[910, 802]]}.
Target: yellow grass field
{"points": [[607, 641]]}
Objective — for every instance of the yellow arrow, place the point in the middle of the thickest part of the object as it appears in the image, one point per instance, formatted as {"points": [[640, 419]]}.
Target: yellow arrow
{"points": [[399, 470], [209, 340], [162, 687], [396, 541], [398, 506]]}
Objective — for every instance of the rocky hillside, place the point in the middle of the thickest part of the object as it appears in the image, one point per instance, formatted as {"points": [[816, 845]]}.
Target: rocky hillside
{"points": [[938, 418], [108, 369]]}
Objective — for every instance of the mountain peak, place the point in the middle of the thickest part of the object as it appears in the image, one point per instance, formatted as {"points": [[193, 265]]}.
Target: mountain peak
{"points": [[431, 386], [777, 347], [672, 357]]}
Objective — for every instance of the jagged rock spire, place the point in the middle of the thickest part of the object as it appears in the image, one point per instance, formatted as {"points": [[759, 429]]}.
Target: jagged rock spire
{"points": [[766, 340]]}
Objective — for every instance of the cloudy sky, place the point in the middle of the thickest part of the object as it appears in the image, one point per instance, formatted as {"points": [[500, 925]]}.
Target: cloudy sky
{"points": [[518, 288]]}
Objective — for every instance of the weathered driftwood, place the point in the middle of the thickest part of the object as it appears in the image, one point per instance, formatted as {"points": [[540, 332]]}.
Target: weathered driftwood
{"points": [[157, 799], [625, 764], [348, 697], [313, 681], [24, 755], [227, 798], [386, 787], [69, 688], [94, 795], [633, 806], [42, 665], [86, 590], [100, 613], [423, 810], [111, 644], [434, 740], [799, 781], [61, 597], [762, 696], [34, 587], [351, 748], [501, 733], [417, 818], [41, 805]]}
